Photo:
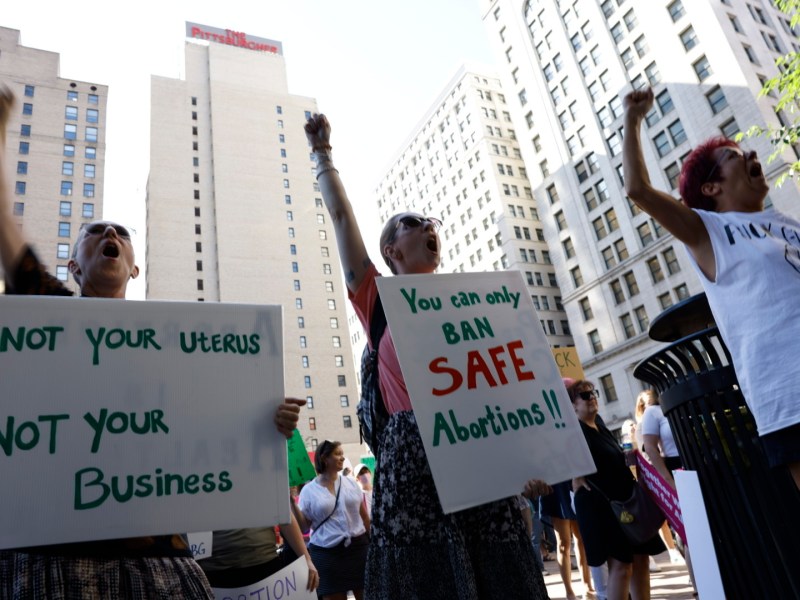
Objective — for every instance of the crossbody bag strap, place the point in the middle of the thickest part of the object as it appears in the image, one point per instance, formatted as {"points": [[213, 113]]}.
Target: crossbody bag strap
{"points": [[335, 504]]}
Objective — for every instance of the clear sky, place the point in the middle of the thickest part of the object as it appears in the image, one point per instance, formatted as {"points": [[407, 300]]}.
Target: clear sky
{"points": [[374, 66]]}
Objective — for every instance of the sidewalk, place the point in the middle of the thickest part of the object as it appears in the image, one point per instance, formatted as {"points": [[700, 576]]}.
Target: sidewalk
{"points": [[672, 583]]}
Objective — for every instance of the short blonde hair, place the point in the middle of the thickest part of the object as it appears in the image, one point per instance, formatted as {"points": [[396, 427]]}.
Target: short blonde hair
{"points": [[643, 400]]}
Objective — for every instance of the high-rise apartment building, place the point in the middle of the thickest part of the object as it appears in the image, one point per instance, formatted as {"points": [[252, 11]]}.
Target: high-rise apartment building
{"points": [[566, 68], [55, 149], [462, 163], [234, 214]]}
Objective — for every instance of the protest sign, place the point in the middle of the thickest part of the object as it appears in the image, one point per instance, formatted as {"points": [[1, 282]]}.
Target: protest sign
{"points": [[300, 468], [123, 419], [569, 365], [201, 544], [483, 383], [661, 492], [287, 584]]}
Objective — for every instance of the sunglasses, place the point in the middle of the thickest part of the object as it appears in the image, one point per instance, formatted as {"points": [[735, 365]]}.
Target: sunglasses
{"points": [[412, 222], [99, 228], [587, 395], [728, 150]]}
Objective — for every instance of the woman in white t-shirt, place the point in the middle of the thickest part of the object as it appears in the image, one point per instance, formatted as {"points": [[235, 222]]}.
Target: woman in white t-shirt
{"points": [[332, 506]]}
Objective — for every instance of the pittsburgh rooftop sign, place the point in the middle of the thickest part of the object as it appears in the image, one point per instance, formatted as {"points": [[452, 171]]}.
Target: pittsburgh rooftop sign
{"points": [[232, 38]]}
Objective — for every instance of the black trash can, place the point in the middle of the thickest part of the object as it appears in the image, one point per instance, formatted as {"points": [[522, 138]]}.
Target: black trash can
{"points": [[753, 511]]}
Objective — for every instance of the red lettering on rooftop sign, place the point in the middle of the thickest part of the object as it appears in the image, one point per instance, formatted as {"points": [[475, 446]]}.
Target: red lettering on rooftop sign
{"points": [[234, 38]]}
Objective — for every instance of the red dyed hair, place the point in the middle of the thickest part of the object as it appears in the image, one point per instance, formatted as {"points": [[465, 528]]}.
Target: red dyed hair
{"points": [[696, 170]]}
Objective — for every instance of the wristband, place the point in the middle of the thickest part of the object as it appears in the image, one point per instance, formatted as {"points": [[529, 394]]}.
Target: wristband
{"points": [[325, 168]]}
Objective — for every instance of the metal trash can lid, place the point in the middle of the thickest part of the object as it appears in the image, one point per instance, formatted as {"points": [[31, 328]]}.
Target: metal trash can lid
{"points": [[682, 319]]}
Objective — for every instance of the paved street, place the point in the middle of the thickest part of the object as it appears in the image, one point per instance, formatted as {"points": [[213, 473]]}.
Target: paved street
{"points": [[671, 583]]}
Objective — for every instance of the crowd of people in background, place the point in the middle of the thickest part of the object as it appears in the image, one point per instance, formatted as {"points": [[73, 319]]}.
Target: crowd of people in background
{"points": [[389, 538]]}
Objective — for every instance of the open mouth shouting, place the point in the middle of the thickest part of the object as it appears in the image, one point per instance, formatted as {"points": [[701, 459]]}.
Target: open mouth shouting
{"points": [[111, 250]]}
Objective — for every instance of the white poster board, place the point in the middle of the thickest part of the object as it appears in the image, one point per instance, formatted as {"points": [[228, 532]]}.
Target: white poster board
{"points": [[123, 419], [488, 397], [287, 584]]}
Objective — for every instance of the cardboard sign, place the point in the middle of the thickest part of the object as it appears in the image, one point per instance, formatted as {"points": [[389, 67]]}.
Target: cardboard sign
{"points": [[661, 492], [568, 363], [300, 468], [123, 419], [486, 392], [201, 544], [288, 583]]}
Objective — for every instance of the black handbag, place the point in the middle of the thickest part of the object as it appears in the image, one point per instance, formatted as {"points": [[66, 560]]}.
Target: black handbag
{"points": [[639, 516]]}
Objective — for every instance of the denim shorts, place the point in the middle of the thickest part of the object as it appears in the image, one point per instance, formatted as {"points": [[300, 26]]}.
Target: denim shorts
{"points": [[783, 446]]}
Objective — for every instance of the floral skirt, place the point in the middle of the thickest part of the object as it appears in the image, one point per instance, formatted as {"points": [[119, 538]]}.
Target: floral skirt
{"points": [[34, 576], [418, 552]]}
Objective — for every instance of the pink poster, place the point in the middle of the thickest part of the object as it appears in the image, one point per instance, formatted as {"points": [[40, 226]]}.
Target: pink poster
{"points": [[663, 494]]}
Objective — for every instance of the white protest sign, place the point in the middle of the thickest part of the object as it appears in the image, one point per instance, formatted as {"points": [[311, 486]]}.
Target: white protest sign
{"points": [[287, 584], [123, 419], [488, 397]]}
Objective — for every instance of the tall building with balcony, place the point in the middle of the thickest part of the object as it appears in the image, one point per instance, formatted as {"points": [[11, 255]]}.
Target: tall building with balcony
{"points": [[55, 150], [462, 163], [234, 214], [566, 67]]}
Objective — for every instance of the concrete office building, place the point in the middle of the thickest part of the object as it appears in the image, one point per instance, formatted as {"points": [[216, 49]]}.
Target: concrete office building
{"points": [[462, 163], [55, 148], [566, 67], [234, 214]]}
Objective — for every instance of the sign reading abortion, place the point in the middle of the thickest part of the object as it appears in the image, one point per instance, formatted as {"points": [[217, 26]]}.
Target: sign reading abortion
{"points": [[289, 583], [484, 386], [123, 419]]}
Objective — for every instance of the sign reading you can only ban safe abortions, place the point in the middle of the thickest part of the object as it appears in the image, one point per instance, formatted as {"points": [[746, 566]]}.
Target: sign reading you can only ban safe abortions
{"points": [[488, 397], [122, 419]]}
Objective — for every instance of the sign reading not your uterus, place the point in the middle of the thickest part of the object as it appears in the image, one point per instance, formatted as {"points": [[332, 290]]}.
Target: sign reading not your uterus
{"points": [[123, 419], [488, 397]]}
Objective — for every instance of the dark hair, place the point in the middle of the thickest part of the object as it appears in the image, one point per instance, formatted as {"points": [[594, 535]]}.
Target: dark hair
{"points": [[573, 389], [696, 170], [324, 450]]}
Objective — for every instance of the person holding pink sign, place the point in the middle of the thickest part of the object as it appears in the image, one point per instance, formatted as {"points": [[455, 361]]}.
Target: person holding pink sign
{"points": [[160, 566], [417, 551]]}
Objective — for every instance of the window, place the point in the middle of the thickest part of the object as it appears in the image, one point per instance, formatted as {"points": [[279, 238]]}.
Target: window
{"points": [[652, 74], [621, 249], [561, 222], [729, 128], [307, 382], [616, 291], [88, 190], [662, 144], [641, 318], [673, 173], [93, 115], [751, 55], [656, 274], [19, 188], [586, 309], [304, 361], [89, 171], [295, 267], [716, 99], [677, 132], [611, 219], [627, 326], [577, 276], [347, 421], [70, 131], [72, 95], [24, 147], [609, 391], [608, 257], [665, 300], [664, 101], [552, 194], [29, 91], [590, 198], [630, 20], [298, 303], [93, 99], [66, 188], [91, 134], [599, 228], [342, 380], [689, 38], [682, 291], [569, 248], [676, 10], [344, 401], [334, 322], [673, 266], [701, 68], [645, 234], [630, 283], [67, 168], [312, 422], [594, 340], [65, 208], [71, 113], [63, 229]]}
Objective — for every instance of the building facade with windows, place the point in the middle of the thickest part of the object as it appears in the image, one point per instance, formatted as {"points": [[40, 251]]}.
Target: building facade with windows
{"points": [[234, 214], [55, 148], [462, 163], [566, 67]]}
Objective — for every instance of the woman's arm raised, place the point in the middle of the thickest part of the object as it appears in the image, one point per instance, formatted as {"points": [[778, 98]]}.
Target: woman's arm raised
{"points": [[352, 251]]}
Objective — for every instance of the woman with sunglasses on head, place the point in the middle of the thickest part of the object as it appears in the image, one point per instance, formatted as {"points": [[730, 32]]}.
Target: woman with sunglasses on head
{"points": [[416, 551], [331, 505], [603, 538], [160, 566]]}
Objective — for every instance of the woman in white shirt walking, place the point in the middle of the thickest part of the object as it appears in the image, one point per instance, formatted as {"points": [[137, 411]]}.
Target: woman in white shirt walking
{"points": [[332, 506]]}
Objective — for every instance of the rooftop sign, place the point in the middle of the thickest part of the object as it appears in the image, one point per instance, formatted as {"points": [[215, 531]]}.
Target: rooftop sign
{"points": [[232, 38]]}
